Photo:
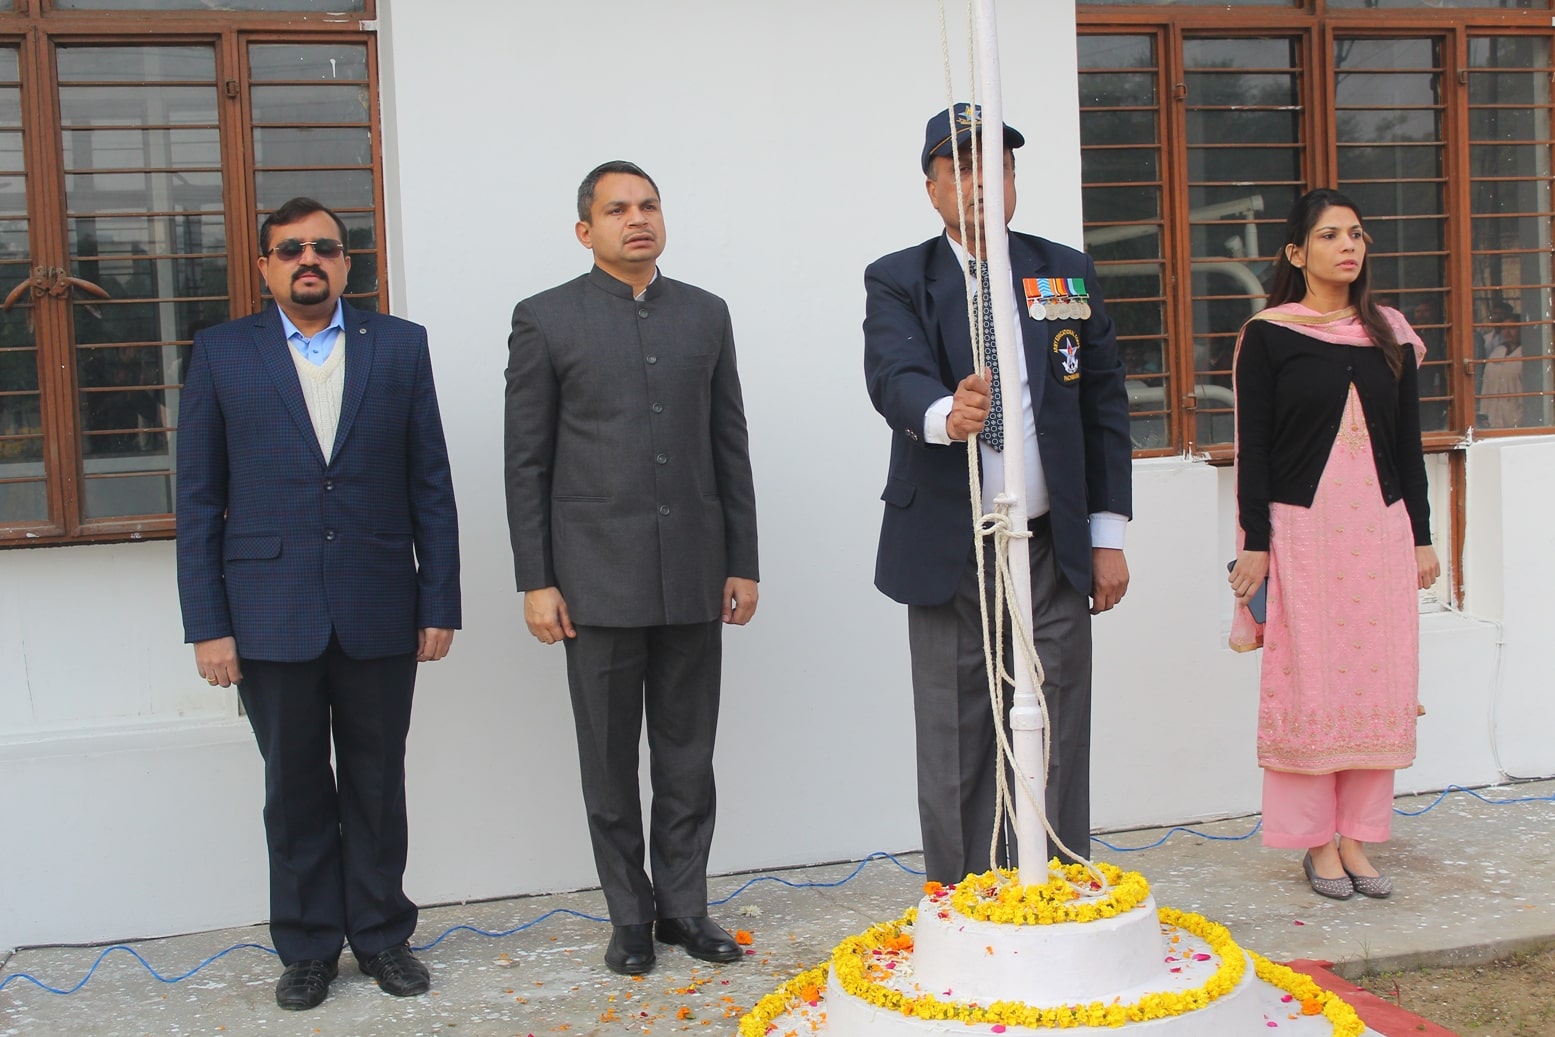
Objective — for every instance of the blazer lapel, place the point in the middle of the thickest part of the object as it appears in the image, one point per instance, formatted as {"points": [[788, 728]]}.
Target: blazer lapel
{"points": [[358, 343], [275, 353], [946, 286]]}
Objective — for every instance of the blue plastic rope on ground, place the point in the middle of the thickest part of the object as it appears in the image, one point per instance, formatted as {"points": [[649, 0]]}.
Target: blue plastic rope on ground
{"points": [[20, 976]]}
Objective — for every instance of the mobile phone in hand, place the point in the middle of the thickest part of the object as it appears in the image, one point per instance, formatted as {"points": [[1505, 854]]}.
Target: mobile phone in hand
{"points": [[1258, 605]]}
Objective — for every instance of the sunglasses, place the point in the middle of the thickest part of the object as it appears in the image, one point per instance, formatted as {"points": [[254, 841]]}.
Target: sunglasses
{"points": [[324, 248]]}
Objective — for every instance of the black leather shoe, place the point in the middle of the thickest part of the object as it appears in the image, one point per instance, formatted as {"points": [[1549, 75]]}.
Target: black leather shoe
{"points": [[398, 971], [631, 950], [702, 938], [305, 984]]}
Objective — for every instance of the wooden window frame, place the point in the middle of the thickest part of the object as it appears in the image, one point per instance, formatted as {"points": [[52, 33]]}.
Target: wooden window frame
{"points": [[34, 28], [1316, 25]]}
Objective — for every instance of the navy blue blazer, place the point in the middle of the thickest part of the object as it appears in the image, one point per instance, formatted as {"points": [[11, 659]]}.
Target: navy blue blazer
{"points": [[277, 548], [917, 349]]}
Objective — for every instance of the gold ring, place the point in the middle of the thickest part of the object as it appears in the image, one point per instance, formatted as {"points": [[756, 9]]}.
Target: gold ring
{"points": [[211, 680]]}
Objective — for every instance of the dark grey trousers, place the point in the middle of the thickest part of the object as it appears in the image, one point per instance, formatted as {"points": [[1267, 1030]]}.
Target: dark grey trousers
{"points": [[957, 752], [670, 674]]}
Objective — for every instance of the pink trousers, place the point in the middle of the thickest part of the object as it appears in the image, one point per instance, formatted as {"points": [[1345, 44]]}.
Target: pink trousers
{"points": [[1305, 810]]}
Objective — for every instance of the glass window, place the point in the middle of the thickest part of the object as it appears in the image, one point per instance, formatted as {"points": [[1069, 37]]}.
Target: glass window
{"points": [[1195, 143], [1120, 150], [1509, 155], [313, 6], [129, 239]]}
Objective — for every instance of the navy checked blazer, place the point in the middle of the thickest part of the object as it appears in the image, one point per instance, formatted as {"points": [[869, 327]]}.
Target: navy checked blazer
{"points": [[917, 349], [277, 548]]}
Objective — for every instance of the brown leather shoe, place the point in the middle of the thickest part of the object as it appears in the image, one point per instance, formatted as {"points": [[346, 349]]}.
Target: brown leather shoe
{"points": [[702, 938]]}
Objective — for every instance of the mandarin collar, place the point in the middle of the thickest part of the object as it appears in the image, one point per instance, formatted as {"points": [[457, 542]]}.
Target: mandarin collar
{"points": [[621, 289]]}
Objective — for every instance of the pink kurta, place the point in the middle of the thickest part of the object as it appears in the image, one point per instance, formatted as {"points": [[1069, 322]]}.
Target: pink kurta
{"points": [[1341, 642]]}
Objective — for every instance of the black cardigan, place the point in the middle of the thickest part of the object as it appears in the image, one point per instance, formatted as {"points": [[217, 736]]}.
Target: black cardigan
{"points": [[1291, 390]]}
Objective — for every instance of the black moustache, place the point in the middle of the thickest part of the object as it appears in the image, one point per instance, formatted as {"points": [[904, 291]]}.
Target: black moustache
{"points": [[315, 271]]}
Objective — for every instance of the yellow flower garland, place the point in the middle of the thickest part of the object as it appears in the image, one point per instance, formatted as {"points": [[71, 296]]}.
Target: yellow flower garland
{"points": [[1304, 989], [848, 959], [997, 896], [760, 1018]]}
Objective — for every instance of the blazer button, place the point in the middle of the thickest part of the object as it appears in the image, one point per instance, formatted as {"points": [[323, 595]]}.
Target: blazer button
{"points": [[642, 313], [662, 458], [329, 534], [329, 484], [664, 509], [651, 358], [658, 408]]}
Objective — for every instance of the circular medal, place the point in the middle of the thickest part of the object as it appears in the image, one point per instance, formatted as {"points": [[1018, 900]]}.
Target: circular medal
{"points": [[1085, 310], [1036, 309], [1065, 309]]}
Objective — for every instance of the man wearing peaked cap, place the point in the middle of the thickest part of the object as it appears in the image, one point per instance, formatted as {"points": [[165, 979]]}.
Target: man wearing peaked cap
{"points": [[936, 137], [919, 369]]}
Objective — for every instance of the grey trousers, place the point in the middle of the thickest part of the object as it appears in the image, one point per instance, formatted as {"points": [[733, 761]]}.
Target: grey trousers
{"points": [[670, 674], [956, 750]]}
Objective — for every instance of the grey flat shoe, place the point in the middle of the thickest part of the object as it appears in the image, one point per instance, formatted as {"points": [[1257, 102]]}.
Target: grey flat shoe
{"points": [[1378, 887], [1333, 889]]}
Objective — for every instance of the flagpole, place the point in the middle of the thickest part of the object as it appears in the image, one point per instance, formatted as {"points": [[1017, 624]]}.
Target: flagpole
{"points": [[1026, 711]]}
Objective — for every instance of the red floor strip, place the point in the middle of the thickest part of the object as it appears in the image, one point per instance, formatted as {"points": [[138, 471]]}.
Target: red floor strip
{"points": [[1381, 1015]]}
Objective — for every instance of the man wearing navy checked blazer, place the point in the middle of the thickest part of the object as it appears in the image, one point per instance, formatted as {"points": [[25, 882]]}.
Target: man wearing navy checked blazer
{"points": [[318, 563]]}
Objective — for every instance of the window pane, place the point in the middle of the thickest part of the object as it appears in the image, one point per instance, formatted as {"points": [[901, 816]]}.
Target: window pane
{"points": [[294, 155], [1389, 121], [23, 489], [315, 6], [1509, 98], [127, 148], [149, 64], [137, 106], [285, 146], [1123, 200], [1244, 150], [142, 164], [144, 191], [306, 62], [309, 104], [345, 189]]}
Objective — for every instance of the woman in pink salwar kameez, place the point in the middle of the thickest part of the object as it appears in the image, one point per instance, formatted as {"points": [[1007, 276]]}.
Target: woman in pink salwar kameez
{"points": [[1332, 509]]}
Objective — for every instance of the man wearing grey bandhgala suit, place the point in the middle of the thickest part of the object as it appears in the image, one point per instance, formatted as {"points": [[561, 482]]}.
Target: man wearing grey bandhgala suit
{"points": [[633, 520]]}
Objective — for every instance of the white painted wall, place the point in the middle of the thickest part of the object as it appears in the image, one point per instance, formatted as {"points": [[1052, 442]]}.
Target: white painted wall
{"points": [[785, 140]]}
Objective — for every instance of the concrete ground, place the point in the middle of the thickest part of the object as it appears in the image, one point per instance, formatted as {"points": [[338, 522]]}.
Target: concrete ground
{"points": [[1472, 877]]}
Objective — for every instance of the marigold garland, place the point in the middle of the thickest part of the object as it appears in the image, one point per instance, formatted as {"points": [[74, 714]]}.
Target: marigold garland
{"points": [[1305, 989], [851, 972], [766, 1011], [849, 961], [998, 896]]}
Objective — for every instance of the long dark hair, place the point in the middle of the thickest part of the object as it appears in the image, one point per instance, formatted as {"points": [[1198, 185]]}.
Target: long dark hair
{"points": [[1290, 283]]}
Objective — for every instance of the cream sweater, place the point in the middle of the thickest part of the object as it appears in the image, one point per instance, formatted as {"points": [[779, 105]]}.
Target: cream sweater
{"points": [[323, 386]]}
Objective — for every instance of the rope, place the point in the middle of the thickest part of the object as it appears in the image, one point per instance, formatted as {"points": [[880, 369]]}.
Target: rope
{"points": [[997, 524]]}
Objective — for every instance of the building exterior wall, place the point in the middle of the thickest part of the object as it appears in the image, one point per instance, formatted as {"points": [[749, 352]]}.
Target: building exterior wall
{"points": [[785, 138]]}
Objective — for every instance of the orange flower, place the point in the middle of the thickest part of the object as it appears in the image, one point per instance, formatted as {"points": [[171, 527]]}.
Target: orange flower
{"points": [[684, 1013], [1312, 1006], [933, 888], [743, 937]]}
